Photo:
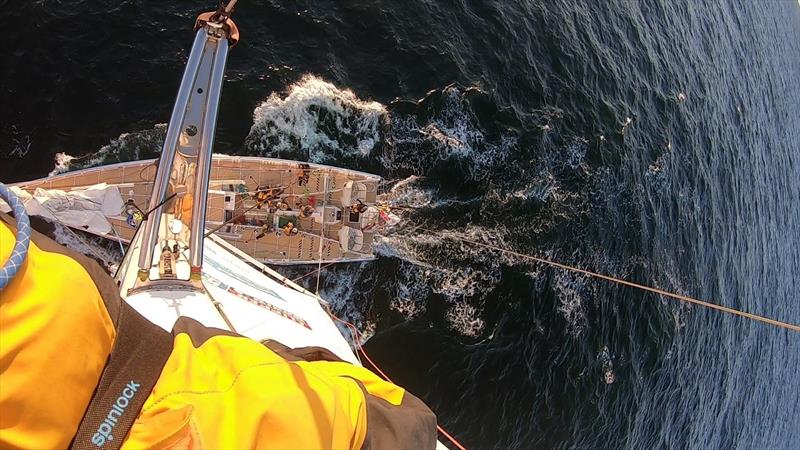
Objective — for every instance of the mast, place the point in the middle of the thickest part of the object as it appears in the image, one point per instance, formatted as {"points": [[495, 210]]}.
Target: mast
{"points": [[172, 234]]}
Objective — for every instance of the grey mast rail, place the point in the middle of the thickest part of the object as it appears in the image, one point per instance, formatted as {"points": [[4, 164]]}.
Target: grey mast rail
{"points": [[161, 182], [185, 163], [204, 158]]}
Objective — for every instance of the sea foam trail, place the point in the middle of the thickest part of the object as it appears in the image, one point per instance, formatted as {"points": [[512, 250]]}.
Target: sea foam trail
{"points": [[61, 163], [439, 263], [92, 246], [132, 146], [317, 120], [442, 128]]}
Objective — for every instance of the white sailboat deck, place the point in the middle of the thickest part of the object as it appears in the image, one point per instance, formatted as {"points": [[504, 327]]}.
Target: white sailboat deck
{"points": [[252, 301]]}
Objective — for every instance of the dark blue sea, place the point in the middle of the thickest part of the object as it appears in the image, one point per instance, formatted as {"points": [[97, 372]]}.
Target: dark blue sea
{"points": [[654, 140]]}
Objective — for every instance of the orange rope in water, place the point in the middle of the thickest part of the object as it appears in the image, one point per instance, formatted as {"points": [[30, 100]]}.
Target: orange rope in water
{"points": [[359, 348], [683, 298]]}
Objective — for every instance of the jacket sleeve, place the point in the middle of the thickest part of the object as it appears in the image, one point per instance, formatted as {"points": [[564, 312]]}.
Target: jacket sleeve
{"points": [[396, 419]]}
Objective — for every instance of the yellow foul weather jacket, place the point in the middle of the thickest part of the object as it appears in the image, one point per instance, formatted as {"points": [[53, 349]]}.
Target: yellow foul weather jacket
{"points": [[80, 368]]}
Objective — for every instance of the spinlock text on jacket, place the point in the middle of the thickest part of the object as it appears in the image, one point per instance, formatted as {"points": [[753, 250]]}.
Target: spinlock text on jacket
{"points": [[103, 433]]}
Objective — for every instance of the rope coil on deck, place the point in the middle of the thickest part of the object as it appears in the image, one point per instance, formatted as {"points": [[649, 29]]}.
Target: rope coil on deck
{"points": [[23, 239]]}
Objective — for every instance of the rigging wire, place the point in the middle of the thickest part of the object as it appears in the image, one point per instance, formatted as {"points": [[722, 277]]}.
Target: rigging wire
{"points": [[119, 241], [322, 232], [312, 272], [229, 6], [160, 204]]}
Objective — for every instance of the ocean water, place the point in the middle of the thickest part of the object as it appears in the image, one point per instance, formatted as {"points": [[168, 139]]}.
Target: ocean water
{"points": [[656, 141]]}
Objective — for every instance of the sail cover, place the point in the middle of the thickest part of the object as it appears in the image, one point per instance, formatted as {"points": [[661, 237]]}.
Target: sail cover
{"points": [[85, 209]]}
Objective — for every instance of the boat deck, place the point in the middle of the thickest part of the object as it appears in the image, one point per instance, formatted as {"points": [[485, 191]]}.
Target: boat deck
{"points": [[260, 201]]}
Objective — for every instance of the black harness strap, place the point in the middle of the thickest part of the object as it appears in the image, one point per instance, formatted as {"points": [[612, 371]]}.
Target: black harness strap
{"points": [[140, 351]]}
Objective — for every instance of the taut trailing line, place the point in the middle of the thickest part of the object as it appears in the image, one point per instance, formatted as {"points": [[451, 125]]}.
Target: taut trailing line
{"points": [[358, 340], [683, 298]]}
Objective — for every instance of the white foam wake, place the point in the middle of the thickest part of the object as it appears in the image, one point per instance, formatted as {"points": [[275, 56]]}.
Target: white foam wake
{"points": [[62, 163], [88, 245], [131, 146], [439, 262], [318, 119], [452, 133]]}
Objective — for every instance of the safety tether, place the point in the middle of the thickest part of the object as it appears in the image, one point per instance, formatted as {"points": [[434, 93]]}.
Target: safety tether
{"points": [[23, 239]]}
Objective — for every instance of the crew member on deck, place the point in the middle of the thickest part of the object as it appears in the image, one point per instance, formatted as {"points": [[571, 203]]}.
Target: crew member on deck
{"points": [[358, 208]]}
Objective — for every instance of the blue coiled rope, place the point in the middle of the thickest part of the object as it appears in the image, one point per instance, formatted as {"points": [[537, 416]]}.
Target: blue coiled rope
{"points": [[20, 251]]}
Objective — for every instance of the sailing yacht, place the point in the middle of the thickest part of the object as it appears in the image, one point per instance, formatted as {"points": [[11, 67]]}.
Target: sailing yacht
{"points": [[175, 267], [277, 211], [197, 245]]}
